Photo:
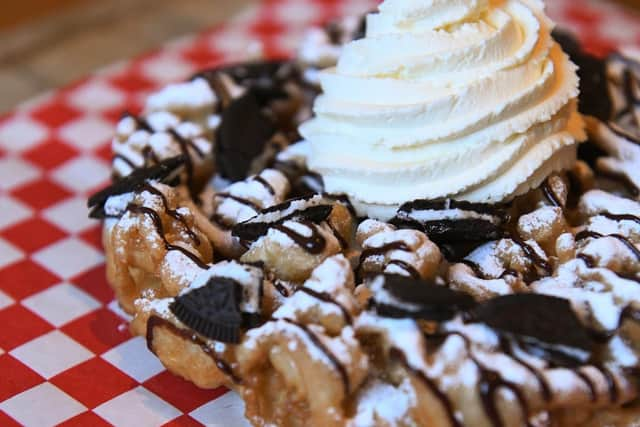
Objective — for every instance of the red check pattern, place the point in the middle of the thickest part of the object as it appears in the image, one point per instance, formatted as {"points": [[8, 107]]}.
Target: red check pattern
{"points": [[66, 356]]}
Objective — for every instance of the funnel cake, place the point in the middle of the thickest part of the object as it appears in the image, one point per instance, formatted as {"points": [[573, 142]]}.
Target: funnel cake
{"points": [[241, 270]]}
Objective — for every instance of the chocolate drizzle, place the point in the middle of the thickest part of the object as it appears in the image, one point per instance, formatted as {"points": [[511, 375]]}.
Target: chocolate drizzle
{"points": [[586, 234], [314, 244], [490, 383], [265, 184], [282, 290], [156, 321], [275, 217], [589, 382], [344, 376], [184, 143], [536, 259], [479, 272], [551, 195], [507, 347], [157, 221], [325, 297], [431, 385], [172, 212], [241, 200], [408, 268], [125, 159], [620, 217], [163, 172], [383, 250]]}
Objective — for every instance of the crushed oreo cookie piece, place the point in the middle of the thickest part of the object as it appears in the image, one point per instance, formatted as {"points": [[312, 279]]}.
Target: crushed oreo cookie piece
{"points": [[244, 132], [165, 172], [213, 310], [315, 209], [399, 297], [594, 92], [452, 221], [542, 324]]}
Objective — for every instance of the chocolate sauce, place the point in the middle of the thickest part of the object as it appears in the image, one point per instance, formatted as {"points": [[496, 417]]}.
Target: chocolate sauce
{"points": [[241, 200], [265, 184], [408, 268], [125, 159], [589, 382], [507, 347], [344, 200], [611, 383], [490, 383], [184, 144], [620, 217], [343, 243], [586, 234], [532, 254], [149, 155], [282, 290], [382, 250], [591, 263], [314, 244], [157, 221], [431, 385], [588, 260], [477, 270], [155, 321], [551, 195], [320, 345], [172, 212], [325, 297]]}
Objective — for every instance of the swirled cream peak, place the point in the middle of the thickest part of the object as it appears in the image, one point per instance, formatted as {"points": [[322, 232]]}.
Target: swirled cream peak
{"points": [[466, 99]]}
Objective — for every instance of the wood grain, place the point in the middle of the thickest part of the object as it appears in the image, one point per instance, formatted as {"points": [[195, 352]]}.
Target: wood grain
{"points": [[16, 12]]}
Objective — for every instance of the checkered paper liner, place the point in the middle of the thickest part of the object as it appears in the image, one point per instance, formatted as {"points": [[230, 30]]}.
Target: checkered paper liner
{"points": [[66, 356]]}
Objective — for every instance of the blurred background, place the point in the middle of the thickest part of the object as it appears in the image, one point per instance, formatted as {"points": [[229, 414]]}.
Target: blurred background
{"points": [[47, 43]]}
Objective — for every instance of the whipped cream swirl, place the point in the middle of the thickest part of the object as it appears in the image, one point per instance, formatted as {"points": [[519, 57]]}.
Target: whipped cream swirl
{"points": [[465, 99]]}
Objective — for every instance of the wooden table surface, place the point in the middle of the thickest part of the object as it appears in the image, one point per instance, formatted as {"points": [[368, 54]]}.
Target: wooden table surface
{"points": [[68, 39], [48, 43]]}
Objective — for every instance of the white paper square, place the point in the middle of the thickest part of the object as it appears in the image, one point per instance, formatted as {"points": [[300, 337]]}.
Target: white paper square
{"points": [[82, 173], [13, 211], [136, 408], [43, 405], [9, 253], [134, 359], [21, 132], [70, 215], [51, 354], [15, 172], [226, 410], [167, 68], [96, 95], [87, 132], [5, 300], [297, 12], [68, 257], [61, 304]]}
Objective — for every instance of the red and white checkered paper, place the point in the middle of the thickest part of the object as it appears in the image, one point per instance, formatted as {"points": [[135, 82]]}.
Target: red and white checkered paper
{"points": [[66, 356]]}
